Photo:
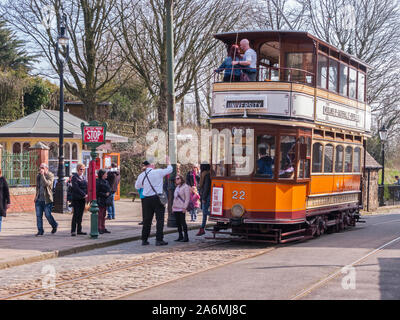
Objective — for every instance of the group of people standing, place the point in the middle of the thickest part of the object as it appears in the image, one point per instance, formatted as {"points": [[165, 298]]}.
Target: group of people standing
{"points": [[106, 187], [240, 64], [189, 193]]}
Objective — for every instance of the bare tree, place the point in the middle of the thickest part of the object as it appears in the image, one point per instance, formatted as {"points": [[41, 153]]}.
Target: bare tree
{"points": [[94, 63], [368, 30], [143, 40], [276, 15]]}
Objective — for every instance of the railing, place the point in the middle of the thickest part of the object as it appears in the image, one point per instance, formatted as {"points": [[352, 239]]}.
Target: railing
{"points": [[389, 195], [268, 74], [19, 169]]}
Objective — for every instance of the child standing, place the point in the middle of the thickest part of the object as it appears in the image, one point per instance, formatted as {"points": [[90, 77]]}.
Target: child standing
{"points": [[195, 199]]}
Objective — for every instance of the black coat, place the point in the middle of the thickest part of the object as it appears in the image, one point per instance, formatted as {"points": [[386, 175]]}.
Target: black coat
{"points": [[102, 188], [190, 180], [4, 196], [79, 187], [205, 191]]}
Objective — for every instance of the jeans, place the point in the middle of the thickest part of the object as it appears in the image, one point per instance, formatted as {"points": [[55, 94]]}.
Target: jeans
{"points": [[206, 211], [111, 209], [193, 214], [41, 206]]}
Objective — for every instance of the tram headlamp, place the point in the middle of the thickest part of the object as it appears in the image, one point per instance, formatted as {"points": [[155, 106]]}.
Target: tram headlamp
{"points": [[237, 210]]}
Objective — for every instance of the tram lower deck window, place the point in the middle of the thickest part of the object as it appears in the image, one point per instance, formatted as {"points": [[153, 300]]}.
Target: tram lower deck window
{"points": [[287, 157], [265, 166]]}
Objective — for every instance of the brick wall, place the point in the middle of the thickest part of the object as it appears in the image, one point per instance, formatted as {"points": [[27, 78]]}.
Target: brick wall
{"points": [[22, 200]]}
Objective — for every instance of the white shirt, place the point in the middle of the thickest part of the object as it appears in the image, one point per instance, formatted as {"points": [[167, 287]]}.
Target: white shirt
{"points": [[251, 56], [156, 177]]}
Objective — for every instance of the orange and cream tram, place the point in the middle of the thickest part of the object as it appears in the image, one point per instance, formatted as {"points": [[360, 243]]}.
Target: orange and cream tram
{"points": [[288, 148]]}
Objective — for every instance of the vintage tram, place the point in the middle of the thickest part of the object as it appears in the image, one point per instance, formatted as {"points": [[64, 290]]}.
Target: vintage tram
{"points": [[288, 149]]}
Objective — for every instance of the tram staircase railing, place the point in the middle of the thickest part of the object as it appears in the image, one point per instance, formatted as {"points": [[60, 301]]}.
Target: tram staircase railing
{"points": [[273, 74]]}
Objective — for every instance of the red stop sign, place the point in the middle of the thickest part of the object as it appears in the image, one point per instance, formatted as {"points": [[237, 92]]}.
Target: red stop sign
{"points": [[92, 134]]}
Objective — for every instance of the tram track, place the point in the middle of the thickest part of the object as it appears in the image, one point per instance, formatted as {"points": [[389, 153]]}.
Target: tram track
{"points": [[124, 276]]}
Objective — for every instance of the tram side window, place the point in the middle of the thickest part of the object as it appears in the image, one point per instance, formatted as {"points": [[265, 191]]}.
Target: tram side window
{"points": [[339, 159], [322, 71], [333, 75], [266, 156], [361, 86], [343, 79], [304, 158], [328, 158], [352, 83], [317, 157], [221, 151], [357, 160], [348, 160], [287, 157], [242, 153]]}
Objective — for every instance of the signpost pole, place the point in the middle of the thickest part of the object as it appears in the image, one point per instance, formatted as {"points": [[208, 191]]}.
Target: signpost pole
{"points": [[93, 135], [94, 208]]}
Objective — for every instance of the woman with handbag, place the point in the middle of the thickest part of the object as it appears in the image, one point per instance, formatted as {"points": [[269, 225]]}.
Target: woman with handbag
{"points": [[104, 199], [4, 198], [180, 205]]}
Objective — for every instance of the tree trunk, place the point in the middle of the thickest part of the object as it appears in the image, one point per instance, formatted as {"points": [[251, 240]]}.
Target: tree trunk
{"points": [[197, 98], [183, 112]]}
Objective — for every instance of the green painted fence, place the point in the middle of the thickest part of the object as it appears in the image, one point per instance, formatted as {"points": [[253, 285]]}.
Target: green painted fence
{"points": [[20, 169]]}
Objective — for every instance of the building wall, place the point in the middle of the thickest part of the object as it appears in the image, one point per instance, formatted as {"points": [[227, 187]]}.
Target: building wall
{"points": [[22, 200], [8, 142], [373, 190]]}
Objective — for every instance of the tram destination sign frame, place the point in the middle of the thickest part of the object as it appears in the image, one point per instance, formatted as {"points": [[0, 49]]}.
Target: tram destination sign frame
{"points": [[249, 104]]}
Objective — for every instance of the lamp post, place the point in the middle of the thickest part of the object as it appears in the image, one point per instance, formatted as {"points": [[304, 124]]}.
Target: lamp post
{"points": [[172, 148], [60, 201], [383, 137]]}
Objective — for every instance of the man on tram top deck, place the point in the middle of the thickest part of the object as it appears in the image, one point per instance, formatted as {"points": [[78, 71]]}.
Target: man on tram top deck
{"points": [[249, 62]]}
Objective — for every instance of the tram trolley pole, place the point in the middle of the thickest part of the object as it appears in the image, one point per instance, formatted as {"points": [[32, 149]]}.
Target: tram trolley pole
{"points": [[93, 135]]}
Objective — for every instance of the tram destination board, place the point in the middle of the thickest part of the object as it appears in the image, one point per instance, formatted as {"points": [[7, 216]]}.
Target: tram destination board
{"points": [[243, 104]]}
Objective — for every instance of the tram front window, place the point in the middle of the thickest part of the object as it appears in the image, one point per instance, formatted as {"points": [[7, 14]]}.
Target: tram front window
{"points": [[287, 157], [266, 156]]}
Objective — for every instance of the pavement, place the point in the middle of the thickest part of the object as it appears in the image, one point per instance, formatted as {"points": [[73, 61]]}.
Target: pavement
{"points": [[19, 245]]}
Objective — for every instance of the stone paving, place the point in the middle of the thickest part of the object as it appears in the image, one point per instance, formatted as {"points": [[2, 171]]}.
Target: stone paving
{"points": [[18, 244]]}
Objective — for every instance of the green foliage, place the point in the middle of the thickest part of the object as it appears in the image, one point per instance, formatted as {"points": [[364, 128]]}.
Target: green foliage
{"points": [[130, 103], [11, 87], [37, 94], [12, 56], [374, 148]]}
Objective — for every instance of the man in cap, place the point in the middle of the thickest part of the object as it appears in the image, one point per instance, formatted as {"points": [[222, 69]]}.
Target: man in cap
{"points": [[151, 180]]}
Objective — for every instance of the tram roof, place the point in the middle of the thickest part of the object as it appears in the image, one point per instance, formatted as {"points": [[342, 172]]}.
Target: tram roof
{"points": [[259, 34]]}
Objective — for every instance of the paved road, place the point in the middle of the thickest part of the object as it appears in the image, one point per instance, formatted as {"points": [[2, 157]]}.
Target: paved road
{"points": [[370, 254]]}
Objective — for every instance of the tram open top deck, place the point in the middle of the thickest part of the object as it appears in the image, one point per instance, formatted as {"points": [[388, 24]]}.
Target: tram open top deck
{"points": [[301, 80]]}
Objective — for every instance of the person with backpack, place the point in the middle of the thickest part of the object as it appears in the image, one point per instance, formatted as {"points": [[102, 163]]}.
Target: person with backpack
{"points": [[180, 206]]}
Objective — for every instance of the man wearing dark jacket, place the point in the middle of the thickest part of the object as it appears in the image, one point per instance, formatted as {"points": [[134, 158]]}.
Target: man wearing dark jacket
{"points": [[113, 177]]}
